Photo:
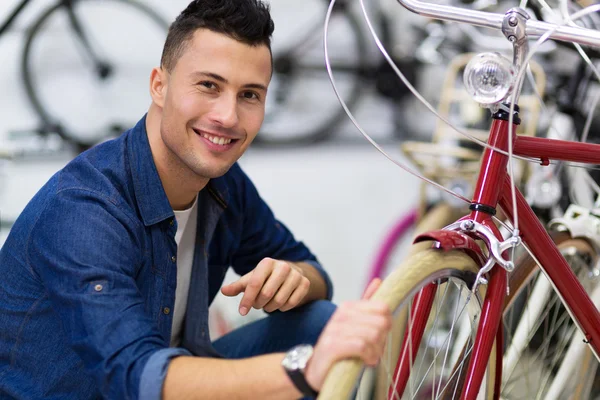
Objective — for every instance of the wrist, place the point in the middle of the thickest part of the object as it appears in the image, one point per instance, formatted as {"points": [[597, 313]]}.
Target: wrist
{"points": [[295, 364], [311, 375]]}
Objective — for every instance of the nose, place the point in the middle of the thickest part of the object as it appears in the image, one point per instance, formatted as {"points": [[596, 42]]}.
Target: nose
{"points": [[224, 112]]}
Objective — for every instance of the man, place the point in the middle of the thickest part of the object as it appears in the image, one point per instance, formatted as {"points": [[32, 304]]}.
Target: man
{"points": [[109, 271]]}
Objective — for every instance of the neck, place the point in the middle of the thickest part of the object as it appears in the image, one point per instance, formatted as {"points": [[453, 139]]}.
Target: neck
{"points": [[180, 183]]}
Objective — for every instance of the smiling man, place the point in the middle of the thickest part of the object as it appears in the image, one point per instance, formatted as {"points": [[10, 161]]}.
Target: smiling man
{"points": [[109, 271]]}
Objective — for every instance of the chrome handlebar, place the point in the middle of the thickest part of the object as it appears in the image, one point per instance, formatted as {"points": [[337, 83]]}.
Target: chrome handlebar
{"points": [[534, 29]]}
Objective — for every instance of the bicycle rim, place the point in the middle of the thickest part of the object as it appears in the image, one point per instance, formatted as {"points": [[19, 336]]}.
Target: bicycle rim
{"points": [[438, 366]]}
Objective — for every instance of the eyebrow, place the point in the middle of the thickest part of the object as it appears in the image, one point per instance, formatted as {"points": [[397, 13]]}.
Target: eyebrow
{"points": [[219, 78]]}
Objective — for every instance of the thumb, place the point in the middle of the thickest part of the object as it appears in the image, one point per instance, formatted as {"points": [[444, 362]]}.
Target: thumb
{"points": [[372, 288], [234, 288]]}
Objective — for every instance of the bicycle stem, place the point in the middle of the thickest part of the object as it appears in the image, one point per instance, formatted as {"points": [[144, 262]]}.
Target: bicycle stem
{"points": [[514, 28]]}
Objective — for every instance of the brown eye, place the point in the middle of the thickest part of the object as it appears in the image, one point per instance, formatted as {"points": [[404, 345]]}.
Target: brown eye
{"points": [[208, 84], [250, 95]]}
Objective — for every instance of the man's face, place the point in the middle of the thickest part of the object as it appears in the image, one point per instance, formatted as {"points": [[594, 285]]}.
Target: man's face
{"points": [[214, 102]]}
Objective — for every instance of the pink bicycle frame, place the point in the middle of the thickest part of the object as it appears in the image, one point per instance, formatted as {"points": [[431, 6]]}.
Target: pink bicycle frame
{"points": [[492, 189]]}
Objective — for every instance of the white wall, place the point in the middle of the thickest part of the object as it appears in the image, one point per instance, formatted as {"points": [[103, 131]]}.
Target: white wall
{"points": [[339, 199]]}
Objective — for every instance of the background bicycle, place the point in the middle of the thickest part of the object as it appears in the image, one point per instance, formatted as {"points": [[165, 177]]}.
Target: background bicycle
{"points": [[84, 81]]}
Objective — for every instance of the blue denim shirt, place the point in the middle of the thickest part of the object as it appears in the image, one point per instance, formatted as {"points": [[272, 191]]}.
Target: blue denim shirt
{"points": [[89, 274]]}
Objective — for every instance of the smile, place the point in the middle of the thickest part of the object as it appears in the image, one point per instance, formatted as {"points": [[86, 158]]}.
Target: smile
{"points": [[221, 141]]}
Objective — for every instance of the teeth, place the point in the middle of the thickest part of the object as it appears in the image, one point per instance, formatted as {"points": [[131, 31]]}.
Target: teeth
{"points": [[216, 140]]}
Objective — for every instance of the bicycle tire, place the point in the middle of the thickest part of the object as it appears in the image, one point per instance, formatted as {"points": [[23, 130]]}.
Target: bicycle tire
{"points": [[272, 135], [49, 122], [391, 242], [438, 216], [411, 276], [520, 280]]}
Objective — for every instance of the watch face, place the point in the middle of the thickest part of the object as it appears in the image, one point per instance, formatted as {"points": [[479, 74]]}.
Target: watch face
{"points": [[297, 358]]}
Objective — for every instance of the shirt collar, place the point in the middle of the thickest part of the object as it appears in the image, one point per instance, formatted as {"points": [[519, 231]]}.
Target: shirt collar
{"points": [[151, 197]]}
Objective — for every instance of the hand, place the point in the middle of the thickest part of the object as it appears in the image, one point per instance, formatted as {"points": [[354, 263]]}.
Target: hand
{"points": [[356, 329], [272, 285]]}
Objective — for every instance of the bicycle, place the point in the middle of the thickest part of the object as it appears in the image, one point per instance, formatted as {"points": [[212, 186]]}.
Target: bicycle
{"points": [[69, 51], [473, 248]]}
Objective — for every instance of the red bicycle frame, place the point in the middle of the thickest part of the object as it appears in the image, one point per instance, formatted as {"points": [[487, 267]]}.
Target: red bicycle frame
{"points": [[493, 188]]}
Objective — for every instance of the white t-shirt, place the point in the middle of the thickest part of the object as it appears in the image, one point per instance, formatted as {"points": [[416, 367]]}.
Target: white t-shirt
{"points": [[186, 240]]}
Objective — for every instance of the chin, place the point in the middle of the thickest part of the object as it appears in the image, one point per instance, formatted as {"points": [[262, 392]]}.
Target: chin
{"points": [[211, 173]]}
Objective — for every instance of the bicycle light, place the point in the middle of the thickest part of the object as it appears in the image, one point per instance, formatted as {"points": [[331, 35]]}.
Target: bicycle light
{"points": [[489, 78]]}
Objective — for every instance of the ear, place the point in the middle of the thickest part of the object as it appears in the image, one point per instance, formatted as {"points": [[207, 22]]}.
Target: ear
{"points": [[158, 86]]}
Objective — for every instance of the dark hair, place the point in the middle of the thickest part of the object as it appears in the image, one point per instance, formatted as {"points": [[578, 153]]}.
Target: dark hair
{"points": [[248, 21]]}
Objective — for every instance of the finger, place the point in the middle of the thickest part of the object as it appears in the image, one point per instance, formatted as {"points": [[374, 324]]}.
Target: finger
{"points": [[237, 287], [255, 283], [371, 288], [281, 271], [285, 291], [297, 295]]}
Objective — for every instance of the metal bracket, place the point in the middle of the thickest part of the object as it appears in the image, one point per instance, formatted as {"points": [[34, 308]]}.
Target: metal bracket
{"points": [[513, 27], [496, 247]]}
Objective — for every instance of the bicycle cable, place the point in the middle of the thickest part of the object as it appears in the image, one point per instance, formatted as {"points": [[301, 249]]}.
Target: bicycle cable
{"points": [[537, 44], [415, 93], [355, 122], [544, 37]]}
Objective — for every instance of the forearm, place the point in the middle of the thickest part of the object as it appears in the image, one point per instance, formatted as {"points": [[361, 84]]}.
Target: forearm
{"points": [[260, 377], [318, 287]]}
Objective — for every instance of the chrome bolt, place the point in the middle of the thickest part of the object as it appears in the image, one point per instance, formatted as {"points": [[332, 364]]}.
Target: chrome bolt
{"points": [[512, 21], [467, 225]]}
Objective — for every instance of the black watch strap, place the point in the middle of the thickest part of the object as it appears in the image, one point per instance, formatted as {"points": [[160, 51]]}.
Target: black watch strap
{"points": [[297, 376]]}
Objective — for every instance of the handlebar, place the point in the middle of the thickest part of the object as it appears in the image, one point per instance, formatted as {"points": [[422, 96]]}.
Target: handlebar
{"points": [[534, 29]]}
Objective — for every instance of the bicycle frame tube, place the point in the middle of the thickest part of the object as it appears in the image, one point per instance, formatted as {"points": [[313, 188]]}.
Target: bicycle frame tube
{"points": [[493, 188], [552, 149]]}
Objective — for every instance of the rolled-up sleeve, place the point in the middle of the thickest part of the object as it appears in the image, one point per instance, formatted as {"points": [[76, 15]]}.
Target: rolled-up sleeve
{"points": [[155, 372], [86, 252]]}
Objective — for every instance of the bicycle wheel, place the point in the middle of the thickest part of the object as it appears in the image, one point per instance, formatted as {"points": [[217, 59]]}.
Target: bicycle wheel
{"points": [[86, 64], [301, 105], [544, 357], [446, 341]]}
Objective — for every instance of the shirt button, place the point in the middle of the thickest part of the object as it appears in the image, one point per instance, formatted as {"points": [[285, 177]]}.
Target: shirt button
{"points": [[98, 288], [173, 258], [166, 310], [172, 223]]}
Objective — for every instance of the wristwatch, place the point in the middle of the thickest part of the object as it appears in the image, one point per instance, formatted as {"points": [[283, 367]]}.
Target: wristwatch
{"points": [[294, 364]]}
